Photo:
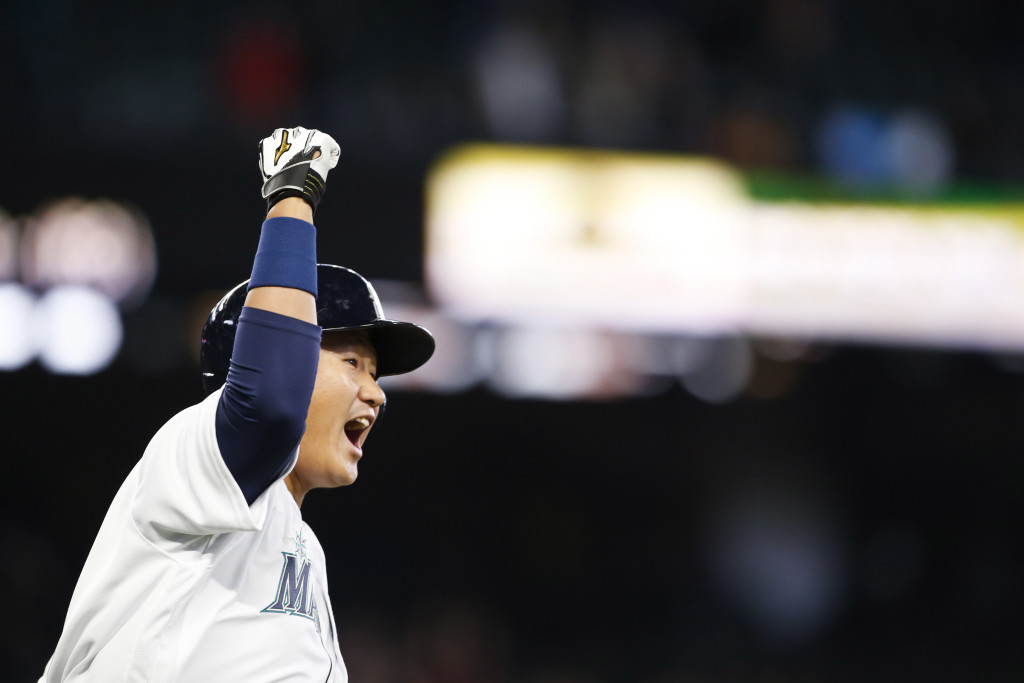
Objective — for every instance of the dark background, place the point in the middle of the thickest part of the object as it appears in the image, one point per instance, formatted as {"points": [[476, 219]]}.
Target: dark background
{"points": [[491, 539]]}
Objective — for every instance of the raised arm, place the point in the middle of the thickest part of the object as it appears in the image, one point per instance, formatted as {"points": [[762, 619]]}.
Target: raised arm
{"points": [[262, 410], [289, 301]]}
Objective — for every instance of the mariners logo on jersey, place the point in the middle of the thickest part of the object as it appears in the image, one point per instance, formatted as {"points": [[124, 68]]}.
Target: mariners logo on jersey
{"points": [[294, 594]]}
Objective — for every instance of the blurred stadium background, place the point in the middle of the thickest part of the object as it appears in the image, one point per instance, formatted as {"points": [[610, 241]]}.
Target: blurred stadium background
{"points": [[730, 298]]}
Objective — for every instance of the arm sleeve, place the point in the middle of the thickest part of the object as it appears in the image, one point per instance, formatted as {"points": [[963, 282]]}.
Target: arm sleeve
{"points": [[261, 414]]}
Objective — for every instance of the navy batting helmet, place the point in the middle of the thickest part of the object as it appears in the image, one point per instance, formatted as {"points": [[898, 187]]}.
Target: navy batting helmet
{"points": [[346, 301]]}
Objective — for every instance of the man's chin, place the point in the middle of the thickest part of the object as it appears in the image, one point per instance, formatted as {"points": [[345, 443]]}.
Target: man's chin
{"points": [[348, 474]]}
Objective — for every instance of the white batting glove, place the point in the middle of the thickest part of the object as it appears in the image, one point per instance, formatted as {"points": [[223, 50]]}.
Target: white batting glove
{"points": [[288, 166]]}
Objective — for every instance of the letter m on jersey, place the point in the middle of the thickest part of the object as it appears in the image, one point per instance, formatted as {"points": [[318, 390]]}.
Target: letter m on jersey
{"points": [[293, 594]]}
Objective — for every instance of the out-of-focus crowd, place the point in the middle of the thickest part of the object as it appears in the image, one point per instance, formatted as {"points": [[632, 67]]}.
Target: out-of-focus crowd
{"points": [[908, 92]]}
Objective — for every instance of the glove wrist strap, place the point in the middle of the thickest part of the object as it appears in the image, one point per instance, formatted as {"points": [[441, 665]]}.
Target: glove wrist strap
{"points": [[297, 180]]}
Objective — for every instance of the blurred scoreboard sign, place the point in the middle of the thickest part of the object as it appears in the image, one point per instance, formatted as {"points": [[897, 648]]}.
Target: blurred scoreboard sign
{"points": [[679, 245]]}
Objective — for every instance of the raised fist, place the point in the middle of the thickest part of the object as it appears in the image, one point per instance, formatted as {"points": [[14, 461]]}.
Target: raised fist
{"points": [[295, 162]]}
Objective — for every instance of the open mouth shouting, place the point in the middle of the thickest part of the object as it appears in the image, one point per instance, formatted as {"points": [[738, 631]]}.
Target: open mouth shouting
{"points": [[356, 431]]}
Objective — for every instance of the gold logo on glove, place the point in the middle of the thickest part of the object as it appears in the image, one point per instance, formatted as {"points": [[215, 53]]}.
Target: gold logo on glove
{"points": [[284, 147]]}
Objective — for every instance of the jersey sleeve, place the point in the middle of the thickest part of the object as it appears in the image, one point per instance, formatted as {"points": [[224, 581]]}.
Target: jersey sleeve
{"points": [[184, 486], [261, 415]]}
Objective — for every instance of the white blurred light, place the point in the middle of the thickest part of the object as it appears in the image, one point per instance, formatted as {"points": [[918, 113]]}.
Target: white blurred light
{"points": [[17, 347], [921, 151], [549, 362], [77, 330], [595, 239], [676, 245], [716, 370], [690, 354], [101, 244]]}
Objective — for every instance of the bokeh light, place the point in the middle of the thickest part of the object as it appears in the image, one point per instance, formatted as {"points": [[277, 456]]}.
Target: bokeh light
{"points": [[77, 330], [101, 244], [17, 345]]}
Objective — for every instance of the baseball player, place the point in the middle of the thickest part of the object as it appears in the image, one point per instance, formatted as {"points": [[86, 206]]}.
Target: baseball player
{"points": [[203, 569]]}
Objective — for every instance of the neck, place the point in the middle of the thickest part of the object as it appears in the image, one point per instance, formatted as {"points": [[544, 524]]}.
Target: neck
{"points": [[295, 488]]}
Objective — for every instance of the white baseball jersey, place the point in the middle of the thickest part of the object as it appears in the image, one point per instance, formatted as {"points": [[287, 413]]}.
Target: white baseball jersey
{"points": [[186, 582]]}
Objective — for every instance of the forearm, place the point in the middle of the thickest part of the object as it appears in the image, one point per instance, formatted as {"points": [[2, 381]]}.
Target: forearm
{"points": [[294, 303]]}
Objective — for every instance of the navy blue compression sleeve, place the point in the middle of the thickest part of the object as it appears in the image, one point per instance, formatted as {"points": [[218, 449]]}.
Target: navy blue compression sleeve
{"points": [[262, 413]]}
